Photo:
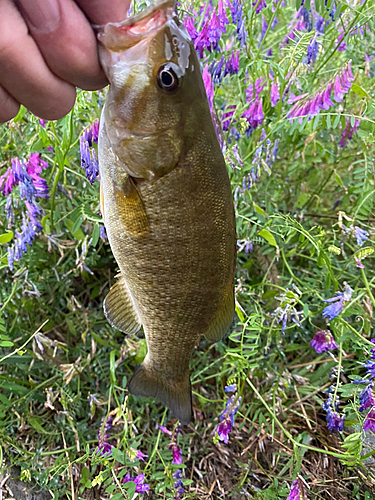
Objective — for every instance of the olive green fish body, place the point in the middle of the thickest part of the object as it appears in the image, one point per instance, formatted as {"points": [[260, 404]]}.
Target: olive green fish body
{"points": [[168, 211]]}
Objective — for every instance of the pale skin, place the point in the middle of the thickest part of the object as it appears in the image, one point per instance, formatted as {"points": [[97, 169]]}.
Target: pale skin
{"points": [[47, 49]]}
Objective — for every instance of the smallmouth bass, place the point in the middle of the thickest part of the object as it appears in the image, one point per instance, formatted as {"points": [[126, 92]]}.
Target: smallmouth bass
{"points": [[166, 201]]}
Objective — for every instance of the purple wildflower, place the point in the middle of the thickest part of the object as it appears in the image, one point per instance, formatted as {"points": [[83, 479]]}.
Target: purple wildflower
{"points": [[11, 258], [238, 19], [264, 27], [356, 232], [337, 303], [341, 43], [102, 233], [297, 491], [141, 456], [227, 117], [275, 94], [223, 429], [232, 64], [366, 399], [260, 5], [42, 123], [369, 423], [10, 212], [323, 341], [370, 365], [173, 446], [140, 487], [7, 182], [178, 485], [348, 131], [88, 163], [104, 446], [312, 51], [319, 25], [334, 421], [311, 105], [208, 86], [189, 25]]}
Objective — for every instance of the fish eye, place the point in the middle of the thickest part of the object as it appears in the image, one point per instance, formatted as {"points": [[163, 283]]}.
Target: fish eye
{"points": [[167, 78]]}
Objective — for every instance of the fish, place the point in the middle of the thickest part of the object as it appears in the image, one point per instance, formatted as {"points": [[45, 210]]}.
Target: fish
{"points": [[166, 201]]}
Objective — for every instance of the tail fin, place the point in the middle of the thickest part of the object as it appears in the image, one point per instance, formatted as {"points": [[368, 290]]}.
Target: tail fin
{"points": [[177, 396]]}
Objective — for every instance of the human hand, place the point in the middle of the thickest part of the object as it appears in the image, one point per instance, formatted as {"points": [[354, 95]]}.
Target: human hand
{"points": [[47, 48]]}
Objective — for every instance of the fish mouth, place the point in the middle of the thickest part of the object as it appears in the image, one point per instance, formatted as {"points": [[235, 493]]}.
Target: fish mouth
{"points": [[122, 35]]}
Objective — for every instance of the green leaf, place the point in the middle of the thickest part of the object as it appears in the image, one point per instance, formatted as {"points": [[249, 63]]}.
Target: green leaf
{"points": [[328, 121], [302, 198], [259, 210], [352, 121], [77, 224], [112, 367], [6, 237], [336, 121], [360, 91], [264, 233], [6, 343], [130, 489], [95, 235]]}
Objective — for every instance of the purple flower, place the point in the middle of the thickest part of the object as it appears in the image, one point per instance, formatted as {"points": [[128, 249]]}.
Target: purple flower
{"points": [[102, 233], [178, 485], [370, 365], [104, 446], [311, 105], [260, 5], [366, 398], [369, 423], [42, 123], [231, 388], [141, 456], [264, 27], [337, 303], [140, 487], [297, 491], [9, 210], [275, 94], [341, 43], [90, 165], [176, 453], [11, 258], [208, 86], [323, 341], [7, 182], [189, 25], [334, 421], [312, 50], [223, 429], [348, 131], [361, 235], [237, 18], [232, 64], [227, 118]]}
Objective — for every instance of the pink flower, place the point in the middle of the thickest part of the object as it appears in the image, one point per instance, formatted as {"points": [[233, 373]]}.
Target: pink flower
{"points": [[323, 341], [370, 420]]}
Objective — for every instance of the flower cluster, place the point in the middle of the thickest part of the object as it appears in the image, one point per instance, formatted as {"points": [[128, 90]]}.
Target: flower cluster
{"points": [[104, 446], [337, 303], [331, 406], [26, 175], [178, 485], [348, 131], [89, 161], [223, 67], [297, 491], [323, 341], [356, 232], [173, 446], [311, 105], [226, 424], [141, 486], [287, 311]]}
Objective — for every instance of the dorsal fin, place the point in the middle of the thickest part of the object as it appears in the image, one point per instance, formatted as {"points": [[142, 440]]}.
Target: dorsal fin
{"points": [[119, 309], [131, 209]]}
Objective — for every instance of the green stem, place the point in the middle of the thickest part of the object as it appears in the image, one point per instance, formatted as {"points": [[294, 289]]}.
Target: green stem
{"points": [[367, 286], [25, 344], [366, 341], [156, 443], [61, 168], [285, 431], [10, 297]]}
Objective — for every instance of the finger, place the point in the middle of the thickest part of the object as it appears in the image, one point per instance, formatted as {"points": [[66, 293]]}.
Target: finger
{"points": [[66, 40], [24, 74], [8, 106], [102, 11]]}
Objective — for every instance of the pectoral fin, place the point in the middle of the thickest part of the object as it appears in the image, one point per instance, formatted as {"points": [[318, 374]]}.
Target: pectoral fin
{"points": [[223, 319], [119, 309], [131, 209]]}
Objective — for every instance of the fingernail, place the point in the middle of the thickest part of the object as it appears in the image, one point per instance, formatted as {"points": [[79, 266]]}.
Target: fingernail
{"points": [[42, 16]]}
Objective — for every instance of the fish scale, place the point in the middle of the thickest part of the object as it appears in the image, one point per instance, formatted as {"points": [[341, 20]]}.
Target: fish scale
{"points": [[167, 202]]}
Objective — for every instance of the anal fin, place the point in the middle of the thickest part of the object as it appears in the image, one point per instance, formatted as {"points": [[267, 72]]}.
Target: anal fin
{"points": [[119, 309], [223, 319]]}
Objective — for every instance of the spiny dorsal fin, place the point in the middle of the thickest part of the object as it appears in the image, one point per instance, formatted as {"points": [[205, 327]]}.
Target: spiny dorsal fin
{"points": [[223, 319], [131, 209], [119, 309]]}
